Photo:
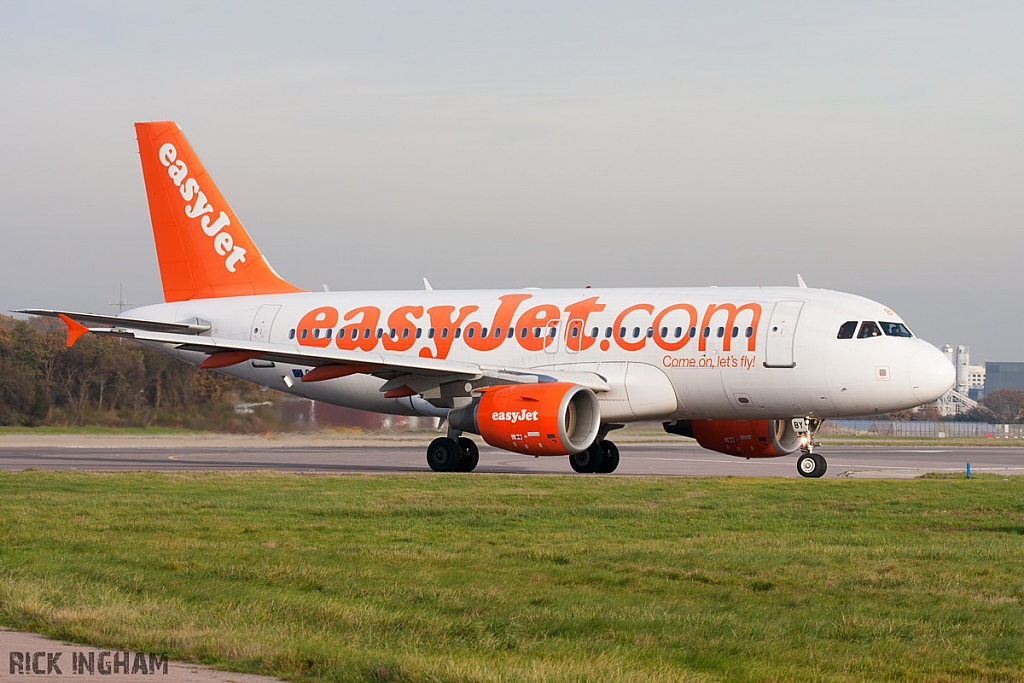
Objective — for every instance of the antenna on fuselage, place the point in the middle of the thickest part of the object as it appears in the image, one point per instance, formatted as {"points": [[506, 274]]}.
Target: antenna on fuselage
{"points": [[800, 281], [426, 285]]}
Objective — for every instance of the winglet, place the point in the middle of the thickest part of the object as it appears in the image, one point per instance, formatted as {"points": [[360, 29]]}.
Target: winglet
{"points": [[75, 330]]}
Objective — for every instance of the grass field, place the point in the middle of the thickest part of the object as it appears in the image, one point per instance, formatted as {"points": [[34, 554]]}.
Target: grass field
{"points": [[525, 578], [130, 431]]}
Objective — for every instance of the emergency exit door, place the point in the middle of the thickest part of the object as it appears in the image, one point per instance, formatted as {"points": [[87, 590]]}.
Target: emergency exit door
{"points": [[262, 323]]}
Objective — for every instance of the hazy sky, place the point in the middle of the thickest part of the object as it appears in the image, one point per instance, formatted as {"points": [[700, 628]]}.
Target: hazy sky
{"points": [[876, 148]]}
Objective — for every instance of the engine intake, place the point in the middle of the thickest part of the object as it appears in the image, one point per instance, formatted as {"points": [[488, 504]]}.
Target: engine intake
{"points": [[553, 418], [743, 438]]}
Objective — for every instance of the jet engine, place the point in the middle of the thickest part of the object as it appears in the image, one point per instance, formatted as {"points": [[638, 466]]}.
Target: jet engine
{"points": [[743, 438], [551, 418]]}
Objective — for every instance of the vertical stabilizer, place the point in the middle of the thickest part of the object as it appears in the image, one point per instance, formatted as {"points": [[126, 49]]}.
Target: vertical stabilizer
{"points": [[203, 250]]}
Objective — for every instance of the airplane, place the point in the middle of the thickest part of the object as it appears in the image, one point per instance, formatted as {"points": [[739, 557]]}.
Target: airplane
{"points": [[747, 371]]}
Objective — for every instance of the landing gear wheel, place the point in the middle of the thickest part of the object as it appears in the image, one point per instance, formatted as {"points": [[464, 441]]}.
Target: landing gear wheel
{"points": [[444, 455], [610, 459], [588, 461], [811, 465], [470, 454]]}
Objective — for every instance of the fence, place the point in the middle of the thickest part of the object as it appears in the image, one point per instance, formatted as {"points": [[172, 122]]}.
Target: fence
{"points": [[920, 429]]}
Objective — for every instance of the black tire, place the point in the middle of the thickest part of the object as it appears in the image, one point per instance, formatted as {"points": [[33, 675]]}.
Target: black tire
{"points": [[822, 464], [470, 454], [588, 461], [444, 455], [811, 465], [610, 459]]}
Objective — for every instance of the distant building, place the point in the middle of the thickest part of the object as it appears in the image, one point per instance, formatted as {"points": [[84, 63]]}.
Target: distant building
{"points": [[1004, 376], [970, 379], [969, 386]]}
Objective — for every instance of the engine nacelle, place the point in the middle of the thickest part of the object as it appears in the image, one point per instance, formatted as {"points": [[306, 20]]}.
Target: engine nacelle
{"points": [[553, 418], [743, 438]]}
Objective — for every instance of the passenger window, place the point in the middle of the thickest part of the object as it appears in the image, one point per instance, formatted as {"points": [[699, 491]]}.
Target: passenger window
{"points": [[707, 332], [419, 332], [735, 332], [693, 332], [291, 334], [868, 329], [444, 333], [593, 333], [721, 332], [380, 332], [394, 333], [575, 332], [430, 333], [536, 333], [470, 331], [316, 333], [650, 332], [304, 333], [847, 329], [636, 332], [497, 333], [366, 333], [458, 332], [664, 332], [750, 332], [405, 333], [607, 332], [895, 330], [679, 332], [522, 333], [483, 332], [511, 332], [622, 333], [552, 332]]}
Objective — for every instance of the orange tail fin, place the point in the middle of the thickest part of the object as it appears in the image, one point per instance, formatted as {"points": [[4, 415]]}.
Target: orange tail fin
{"points": [[203, 250]]}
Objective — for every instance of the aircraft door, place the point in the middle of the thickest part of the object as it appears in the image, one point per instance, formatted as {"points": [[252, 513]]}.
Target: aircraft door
{"points": [[551, 338], [778, 351], [574, 336], [262, 323]]}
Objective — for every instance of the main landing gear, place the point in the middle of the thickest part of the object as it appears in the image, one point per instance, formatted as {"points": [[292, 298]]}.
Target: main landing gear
{"points": [[446, 454], [459, 454], [810, 464], [601, 458]]}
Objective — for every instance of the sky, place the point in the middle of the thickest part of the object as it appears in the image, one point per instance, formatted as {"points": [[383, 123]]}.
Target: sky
{"points": [[874, 148]]}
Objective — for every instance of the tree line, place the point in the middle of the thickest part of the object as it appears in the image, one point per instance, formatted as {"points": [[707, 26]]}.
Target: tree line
{"points": [[112, 382]]}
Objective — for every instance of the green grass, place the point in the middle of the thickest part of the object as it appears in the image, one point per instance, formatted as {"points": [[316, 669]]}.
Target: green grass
{"points": [[525, 578], [88, 429], [948, 442]]}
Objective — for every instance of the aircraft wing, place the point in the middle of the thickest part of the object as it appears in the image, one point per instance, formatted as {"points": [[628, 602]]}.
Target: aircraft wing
{"points": [[194, 326], [406, 375]]}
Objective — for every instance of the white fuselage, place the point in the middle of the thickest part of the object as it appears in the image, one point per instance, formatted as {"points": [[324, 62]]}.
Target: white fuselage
{"points": [[754, 353]]}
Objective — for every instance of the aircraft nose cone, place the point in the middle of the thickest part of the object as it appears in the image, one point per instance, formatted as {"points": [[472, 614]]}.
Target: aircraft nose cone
{"points": [[931, 374]]}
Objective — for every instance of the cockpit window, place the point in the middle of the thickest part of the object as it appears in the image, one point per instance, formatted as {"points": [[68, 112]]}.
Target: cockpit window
{"points": [[868, 329], [895, 330], [847, 329]]}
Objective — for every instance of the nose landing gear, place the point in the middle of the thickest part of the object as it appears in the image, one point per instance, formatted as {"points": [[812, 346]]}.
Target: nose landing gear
{"points": [[809, 464]]}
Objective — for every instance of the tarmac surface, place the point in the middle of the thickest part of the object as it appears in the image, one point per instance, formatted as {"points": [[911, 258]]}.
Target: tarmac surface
{"points": [[337, 456]]}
